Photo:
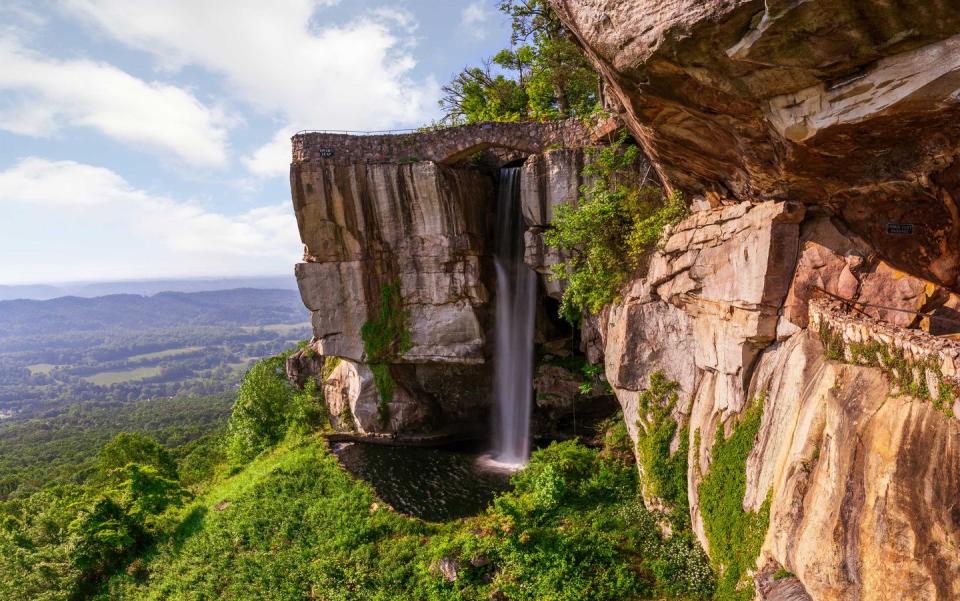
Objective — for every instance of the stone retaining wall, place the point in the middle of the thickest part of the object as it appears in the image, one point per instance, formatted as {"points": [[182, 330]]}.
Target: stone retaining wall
{"points": [[934, 360], [441, 145]]}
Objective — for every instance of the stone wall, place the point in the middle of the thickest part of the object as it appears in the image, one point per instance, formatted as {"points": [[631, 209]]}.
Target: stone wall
{"points": [[934, 359], [446, 145]]}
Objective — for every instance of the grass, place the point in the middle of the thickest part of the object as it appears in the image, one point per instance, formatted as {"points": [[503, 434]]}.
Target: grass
{"points": [[293, 524], [173, 352], [106, 378]]}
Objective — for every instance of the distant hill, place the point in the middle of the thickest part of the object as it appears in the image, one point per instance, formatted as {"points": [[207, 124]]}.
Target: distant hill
{"points": [[242, 307], [142, 287]]}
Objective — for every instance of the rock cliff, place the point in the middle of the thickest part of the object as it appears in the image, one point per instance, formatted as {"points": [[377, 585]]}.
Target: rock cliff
{"points": [[817, 142], [376, 220]]}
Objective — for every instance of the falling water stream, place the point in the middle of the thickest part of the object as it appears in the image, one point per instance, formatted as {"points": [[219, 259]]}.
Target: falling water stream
{"points": [[516, 297]]}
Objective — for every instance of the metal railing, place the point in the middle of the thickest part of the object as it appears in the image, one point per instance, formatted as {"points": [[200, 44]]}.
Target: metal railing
{"points": [[357, 132]]}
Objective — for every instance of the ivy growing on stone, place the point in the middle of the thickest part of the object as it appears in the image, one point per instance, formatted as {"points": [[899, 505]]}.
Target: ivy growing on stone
{"points": [[385, 338], [911, 377], [735, 535], [664, 473]]}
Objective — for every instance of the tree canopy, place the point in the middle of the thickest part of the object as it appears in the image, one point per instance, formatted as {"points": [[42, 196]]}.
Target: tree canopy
{"points": [[542, 75]]}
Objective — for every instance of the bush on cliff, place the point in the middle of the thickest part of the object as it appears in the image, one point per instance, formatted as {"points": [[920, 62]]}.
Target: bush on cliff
{"points": [[605, 235], [664, 473]]}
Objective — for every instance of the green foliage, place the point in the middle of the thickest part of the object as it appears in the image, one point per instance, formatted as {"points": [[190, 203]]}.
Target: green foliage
{"points": [[573, 528], [308, 410], [735, 535], [607, 233], [262, 411], [144, 493], [833, 346], [543, 75], [133, 447], [37, 453], [385, 338], [664, 474]]}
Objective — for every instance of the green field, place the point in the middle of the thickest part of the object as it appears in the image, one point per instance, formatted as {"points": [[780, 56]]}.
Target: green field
{"points": [[106, 378], [173, 352], [40, 368], [279, 328]]}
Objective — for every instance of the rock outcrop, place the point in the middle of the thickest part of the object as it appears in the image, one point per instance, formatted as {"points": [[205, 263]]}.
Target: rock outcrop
{"points": [[818, 143], [851, 105]]}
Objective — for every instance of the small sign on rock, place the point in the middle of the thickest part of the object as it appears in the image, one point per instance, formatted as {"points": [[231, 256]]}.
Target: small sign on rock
{"points": [[325, 152], [900, 229]]}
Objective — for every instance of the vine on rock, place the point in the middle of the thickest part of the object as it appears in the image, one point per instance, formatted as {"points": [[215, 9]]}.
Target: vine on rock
{"points": [[385, 338]]}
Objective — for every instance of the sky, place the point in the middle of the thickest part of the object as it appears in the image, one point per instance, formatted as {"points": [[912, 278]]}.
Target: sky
{"points": [[151, 139]]}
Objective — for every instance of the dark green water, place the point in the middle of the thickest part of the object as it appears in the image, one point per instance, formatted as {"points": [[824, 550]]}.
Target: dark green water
{"points": [[435, 484]]}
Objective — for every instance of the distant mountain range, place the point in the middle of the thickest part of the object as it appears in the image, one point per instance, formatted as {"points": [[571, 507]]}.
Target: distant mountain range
{"points": [[238, 307], [142, 287]]}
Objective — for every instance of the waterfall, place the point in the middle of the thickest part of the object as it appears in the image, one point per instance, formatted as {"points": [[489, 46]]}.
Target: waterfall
{"points": [[516, 296]]}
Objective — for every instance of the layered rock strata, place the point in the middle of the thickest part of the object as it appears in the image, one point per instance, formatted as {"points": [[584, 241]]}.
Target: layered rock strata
{"points": [[418, 228], [851, 105]]}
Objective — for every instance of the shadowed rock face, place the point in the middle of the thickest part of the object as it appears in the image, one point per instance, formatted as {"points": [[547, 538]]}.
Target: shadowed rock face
{"points": [[848, 104]]}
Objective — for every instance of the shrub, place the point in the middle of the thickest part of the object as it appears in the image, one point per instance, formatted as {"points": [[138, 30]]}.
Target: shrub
{"points": [[735, 535], [133, 447], [616, 220], [260, 415]]}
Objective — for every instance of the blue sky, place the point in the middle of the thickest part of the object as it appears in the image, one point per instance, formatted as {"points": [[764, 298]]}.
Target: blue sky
{"points": [[151, 139]]}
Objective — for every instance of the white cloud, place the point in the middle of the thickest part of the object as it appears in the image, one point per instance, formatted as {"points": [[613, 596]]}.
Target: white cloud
{"points": [[475, 19], [44, 95], [92, 222], [273, 158], [283, 58]]}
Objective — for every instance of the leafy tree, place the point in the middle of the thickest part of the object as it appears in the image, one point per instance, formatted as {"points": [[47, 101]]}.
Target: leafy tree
{"points": [[145, 493], [543, 75], [605, 235], [101, 538], [132, 447], [260, 415]]}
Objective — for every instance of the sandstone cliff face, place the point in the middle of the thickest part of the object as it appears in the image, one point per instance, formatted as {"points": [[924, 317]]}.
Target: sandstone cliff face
{"points": [[860, 507], [420, 227], [817, 140], [851, 105]]}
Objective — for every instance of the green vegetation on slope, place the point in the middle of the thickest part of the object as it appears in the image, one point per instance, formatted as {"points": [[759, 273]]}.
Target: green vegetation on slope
{"points": [[60, 449], [289, 522], [295, 524], [735, 535], [605, 235]]}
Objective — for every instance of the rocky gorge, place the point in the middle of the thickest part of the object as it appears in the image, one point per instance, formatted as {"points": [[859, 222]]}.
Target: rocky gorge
{"points": [[816, 277]]}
